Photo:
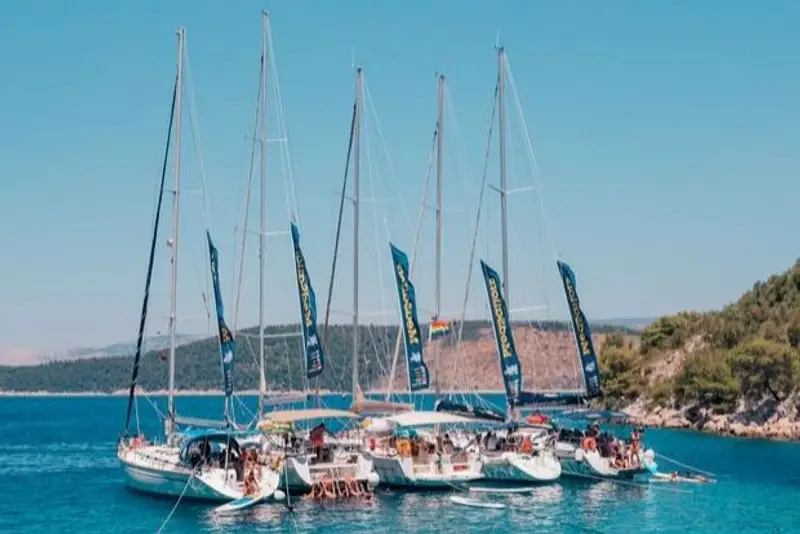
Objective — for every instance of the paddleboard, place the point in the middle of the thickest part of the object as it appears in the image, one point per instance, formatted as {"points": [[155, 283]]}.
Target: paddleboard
{"points": [[474, 503], [663, 477], [502, 490], [239, 504]]}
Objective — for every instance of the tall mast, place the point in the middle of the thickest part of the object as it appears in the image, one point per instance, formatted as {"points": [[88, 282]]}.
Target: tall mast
{"points": [[438, 283], [173, 299], [262, 380], [501, 118], [356, 201]]}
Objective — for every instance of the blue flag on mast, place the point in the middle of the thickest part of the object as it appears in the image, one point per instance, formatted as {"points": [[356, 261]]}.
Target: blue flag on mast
{"points": [[315, 354], [503, 335], [418, 375], [583, 334], [227, 345]]}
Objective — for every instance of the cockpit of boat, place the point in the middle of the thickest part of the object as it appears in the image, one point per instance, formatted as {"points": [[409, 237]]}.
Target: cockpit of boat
{"points": [[212, 447]]}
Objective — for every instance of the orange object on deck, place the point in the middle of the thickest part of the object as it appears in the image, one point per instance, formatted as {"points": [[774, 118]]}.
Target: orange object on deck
{"points": [[537, 419]]}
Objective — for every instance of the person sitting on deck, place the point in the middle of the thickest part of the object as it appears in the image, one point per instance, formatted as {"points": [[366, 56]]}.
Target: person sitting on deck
{"points": [[605, 444], [527, 445], [491, 442], [447, 444], [619, 460], [593, 430]]}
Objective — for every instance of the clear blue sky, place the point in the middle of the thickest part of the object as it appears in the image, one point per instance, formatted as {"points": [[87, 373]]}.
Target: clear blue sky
{"points": [[667, 136]]}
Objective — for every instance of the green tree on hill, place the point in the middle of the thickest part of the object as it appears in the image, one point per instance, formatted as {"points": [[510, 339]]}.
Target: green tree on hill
{"points": [[766, 367], [749, 349], [708, 381]]}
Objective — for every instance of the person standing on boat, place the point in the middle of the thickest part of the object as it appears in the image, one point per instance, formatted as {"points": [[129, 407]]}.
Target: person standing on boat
{"points": [[635, 447], [318, 440]]}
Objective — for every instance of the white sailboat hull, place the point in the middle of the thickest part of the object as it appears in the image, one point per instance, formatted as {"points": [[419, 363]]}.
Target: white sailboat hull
{"points": [[516, 467], [156, 470], [579, 463], [300, 475], [402, 472]]}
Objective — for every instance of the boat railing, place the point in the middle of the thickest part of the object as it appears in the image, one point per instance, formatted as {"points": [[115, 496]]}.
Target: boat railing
{"points": [[334, 471], [148, 460]]}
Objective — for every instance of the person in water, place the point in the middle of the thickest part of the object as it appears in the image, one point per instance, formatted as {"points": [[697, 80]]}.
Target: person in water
{"points": [[250, 484]]}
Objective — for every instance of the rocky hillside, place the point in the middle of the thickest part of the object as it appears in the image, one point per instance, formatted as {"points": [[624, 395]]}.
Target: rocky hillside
{"points": [[548, 359], [546, 349], [736, 370]]}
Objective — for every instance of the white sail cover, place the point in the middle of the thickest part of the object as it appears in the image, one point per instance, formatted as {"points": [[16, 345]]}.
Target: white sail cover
{"points": [[410, 419]]}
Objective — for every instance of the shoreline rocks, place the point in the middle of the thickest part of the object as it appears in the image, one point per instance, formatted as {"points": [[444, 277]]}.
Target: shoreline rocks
{"points": [[739, 424]]}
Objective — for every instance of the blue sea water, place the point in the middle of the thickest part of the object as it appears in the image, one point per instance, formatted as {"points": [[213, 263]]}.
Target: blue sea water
{"points": [[58, 473]]}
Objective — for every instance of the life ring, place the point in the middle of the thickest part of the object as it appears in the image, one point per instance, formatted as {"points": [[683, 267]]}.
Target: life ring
{"points": [[589, 444], [527, 446]]}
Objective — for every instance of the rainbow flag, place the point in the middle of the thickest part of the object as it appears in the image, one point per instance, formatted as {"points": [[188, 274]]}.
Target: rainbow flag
{"points": [[439, 328]]}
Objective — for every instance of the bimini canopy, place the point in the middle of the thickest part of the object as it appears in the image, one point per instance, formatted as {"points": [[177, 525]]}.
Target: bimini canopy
{"points": [[291, 416], [410, 419], [212, 434], [362, 405]]}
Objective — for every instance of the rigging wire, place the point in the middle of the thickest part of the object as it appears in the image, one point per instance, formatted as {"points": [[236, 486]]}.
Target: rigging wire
{"points": [[149, 277], [290, 190], [381, 339], [413, 260], [477, 228], [535, 175], [238, 282], [194, 127], [337, 239]]}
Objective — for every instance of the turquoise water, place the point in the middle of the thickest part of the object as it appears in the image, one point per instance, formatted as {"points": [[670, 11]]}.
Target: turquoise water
{"points": [[59, 474]]}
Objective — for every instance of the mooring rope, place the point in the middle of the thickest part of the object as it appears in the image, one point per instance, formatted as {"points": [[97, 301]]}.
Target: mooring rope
{"points": [[689, 467], [183, 492], [625, 482]]}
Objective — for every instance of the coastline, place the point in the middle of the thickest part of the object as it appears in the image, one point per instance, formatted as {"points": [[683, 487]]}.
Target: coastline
{"points": [[212, 393], [774, 428], [727, 425]]}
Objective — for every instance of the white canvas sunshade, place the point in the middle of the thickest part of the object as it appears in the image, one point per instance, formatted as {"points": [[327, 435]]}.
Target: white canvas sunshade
{"points": [[289, 416], [429, 418]]}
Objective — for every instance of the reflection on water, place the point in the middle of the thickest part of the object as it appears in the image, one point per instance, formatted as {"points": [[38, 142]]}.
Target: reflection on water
{"points": [[305, 515], [63, 451]]}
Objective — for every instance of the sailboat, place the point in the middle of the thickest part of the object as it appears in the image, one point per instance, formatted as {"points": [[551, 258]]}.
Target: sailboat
{"points": [[545, 450], [593, 454], [205, 461], [414, 458], [317, 457], [534, 460], [306, 457]]}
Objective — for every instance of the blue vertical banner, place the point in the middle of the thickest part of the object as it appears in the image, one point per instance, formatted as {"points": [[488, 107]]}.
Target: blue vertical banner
{"points": [[418, 375], [583, 334], [315, 354], [503, 334], [227, 345]]}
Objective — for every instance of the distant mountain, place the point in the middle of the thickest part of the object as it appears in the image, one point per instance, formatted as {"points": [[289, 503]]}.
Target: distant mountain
{"points": [[154, 343], [634, 323]]}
